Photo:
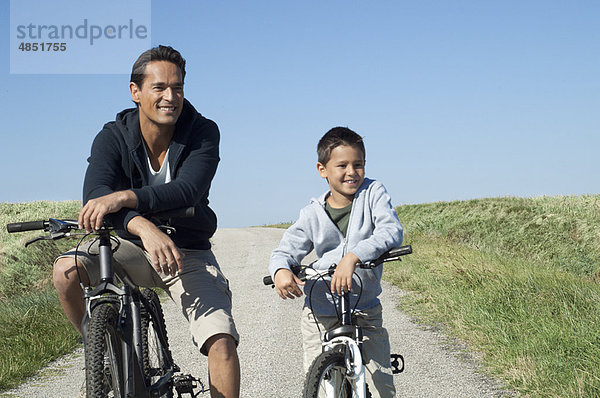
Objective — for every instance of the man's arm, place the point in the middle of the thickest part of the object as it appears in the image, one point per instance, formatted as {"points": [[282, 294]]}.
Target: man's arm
{"points": [[92, 214], [166, 256]]}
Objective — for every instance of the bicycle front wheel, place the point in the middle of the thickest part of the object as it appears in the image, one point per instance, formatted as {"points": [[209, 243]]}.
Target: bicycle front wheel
{"points": [[327, 377], [103, 355], [157, 356]]}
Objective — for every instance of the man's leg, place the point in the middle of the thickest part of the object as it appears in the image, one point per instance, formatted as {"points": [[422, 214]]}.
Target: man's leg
{"points": [[70, 295], [202, 292], [223, 366], [66, 279]]}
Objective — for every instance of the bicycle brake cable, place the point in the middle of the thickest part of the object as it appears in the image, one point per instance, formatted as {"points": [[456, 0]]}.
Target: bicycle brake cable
{"points": [[321, 278], [359, 279], [77, 251]]}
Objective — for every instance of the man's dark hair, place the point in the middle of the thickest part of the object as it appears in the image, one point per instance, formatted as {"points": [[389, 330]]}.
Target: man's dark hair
{"points": [[160, 53], [335, 137]]}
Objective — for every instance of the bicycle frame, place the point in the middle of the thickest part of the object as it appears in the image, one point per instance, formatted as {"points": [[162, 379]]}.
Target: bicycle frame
{"points": [[127, 298]]}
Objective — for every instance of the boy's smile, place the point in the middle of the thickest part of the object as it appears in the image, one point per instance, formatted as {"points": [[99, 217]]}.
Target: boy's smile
{"points": [[345, 172]]}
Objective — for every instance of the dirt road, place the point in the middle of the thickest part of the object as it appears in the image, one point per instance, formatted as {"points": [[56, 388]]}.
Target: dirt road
{"points": [[270, 346]]}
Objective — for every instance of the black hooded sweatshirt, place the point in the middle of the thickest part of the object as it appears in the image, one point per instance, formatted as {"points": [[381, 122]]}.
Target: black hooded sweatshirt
{"points": [[118, 162]]}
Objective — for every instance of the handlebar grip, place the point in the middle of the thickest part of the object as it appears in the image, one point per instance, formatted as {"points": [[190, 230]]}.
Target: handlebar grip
{"points": [[401, 251], [182, 212], [267, 280], [26, 226]]}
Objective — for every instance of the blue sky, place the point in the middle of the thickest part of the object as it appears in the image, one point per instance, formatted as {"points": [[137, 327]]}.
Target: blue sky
{"points": [[455, 100]]}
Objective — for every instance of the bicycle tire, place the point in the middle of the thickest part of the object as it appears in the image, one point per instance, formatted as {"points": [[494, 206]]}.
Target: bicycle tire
{"points": [[103, 355], [157, 358], [328, 365]]}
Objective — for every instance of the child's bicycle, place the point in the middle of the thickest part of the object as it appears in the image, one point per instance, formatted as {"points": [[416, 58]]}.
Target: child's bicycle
{"points": [[339, 370], [125, 337]]}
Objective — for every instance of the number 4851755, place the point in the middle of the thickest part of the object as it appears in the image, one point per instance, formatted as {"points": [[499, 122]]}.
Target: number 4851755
{"points": [[43, 46]]}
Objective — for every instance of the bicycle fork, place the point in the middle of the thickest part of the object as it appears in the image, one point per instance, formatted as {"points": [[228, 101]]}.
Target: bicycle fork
{"points": [[350, 337], [355, 370]]}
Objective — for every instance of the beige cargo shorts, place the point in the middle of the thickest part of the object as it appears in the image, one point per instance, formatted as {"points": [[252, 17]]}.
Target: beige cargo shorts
{"points": [[201, 290]]}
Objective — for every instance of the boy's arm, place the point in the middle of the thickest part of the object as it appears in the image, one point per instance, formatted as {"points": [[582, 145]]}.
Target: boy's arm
{"points": [[286, 284], [387, 233], [292, 249], [341, 281]]}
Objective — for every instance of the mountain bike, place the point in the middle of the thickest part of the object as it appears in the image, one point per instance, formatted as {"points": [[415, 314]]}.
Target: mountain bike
{"points": [[339, 370], [124, 333]]}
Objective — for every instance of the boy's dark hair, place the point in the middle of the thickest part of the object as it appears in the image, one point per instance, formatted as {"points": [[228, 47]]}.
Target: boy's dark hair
{"points": [[160, 53], [335, 137]]}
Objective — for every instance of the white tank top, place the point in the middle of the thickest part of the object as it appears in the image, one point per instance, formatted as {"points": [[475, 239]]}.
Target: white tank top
{"points": [[162, 176]]}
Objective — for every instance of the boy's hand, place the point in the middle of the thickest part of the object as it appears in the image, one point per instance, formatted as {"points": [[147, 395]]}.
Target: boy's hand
{"points": [[286, 284], [341, 281]]}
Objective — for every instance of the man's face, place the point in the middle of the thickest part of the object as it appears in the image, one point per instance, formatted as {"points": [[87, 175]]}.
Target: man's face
{"points": [[160, 99]]}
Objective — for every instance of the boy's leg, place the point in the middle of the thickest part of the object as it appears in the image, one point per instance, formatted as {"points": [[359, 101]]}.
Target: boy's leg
{"points": [[376, 349], [203, 294], [312, 337]]}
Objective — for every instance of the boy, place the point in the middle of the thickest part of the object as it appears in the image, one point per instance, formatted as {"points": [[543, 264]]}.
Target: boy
{"points": [[354, 221]]}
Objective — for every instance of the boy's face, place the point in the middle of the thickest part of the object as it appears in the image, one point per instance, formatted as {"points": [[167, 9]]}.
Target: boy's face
{"points": [[345, 172]]}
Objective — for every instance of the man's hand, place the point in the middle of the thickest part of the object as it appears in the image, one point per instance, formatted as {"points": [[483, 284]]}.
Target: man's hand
{"points": [[166, 256], [286, 284], [90, 217], [341, 281]]}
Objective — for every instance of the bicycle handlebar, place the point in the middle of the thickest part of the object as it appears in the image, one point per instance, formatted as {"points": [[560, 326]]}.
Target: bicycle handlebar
{"points": [[26, 226], [391, 255], [184, 212]]}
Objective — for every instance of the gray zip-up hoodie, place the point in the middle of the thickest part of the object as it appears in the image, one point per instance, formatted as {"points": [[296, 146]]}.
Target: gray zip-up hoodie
{"points": [[373, 229]]}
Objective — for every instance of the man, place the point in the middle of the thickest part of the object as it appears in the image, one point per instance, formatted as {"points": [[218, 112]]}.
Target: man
{"points": [[159, 156]]}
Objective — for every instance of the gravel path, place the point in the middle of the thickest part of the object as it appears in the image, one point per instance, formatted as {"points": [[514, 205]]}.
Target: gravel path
{"points": [[270, 346]]}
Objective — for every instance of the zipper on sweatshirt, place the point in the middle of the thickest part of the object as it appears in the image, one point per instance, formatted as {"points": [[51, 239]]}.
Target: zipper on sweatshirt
{"points": [[345, 245]]}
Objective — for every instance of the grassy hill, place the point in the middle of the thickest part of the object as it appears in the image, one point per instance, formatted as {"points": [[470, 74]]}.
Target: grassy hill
{"points": [[515, 278], [34, 329]]}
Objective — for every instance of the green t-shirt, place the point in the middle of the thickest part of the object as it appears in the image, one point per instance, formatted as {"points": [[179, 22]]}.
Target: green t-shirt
{"points": [[340, 217]]}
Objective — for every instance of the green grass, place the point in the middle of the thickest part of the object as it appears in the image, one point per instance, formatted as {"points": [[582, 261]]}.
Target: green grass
{"points": [[34, 329], [515, 278]]}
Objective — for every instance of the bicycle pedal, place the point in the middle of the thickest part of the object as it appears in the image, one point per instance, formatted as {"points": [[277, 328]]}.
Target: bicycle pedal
{"points": [[185, 384], [396, 358]]}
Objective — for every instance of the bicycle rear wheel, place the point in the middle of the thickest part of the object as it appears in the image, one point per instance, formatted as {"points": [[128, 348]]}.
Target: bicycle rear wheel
{"points": [[327, 377], [103, 355], [156, 353]]}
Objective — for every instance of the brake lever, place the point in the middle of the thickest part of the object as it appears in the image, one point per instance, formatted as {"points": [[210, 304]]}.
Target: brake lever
{"points": [[44, 237], [52, 236]]}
